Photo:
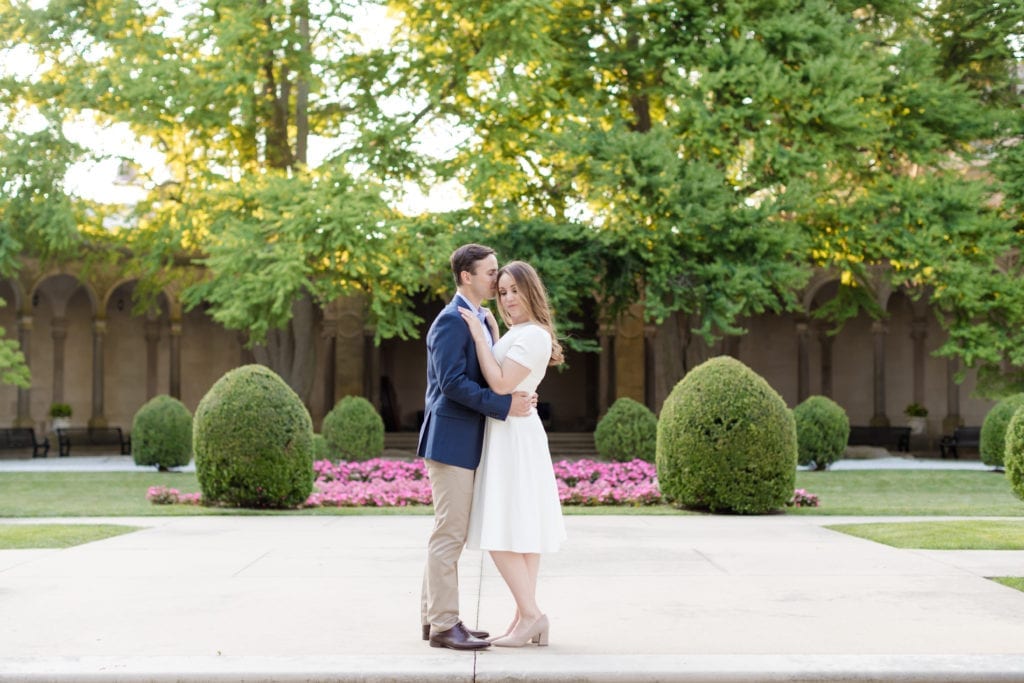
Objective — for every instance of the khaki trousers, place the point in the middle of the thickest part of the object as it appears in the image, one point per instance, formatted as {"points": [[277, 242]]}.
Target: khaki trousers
{"points": [[452, 489]]}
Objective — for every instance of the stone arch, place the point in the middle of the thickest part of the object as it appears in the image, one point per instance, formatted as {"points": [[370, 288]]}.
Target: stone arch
{"points": [[63, 308], [881, 284], [171, 304], [19, 299], [819, 280], [59, 287]]}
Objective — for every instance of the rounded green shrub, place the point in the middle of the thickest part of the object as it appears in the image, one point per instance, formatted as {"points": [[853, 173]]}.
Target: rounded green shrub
{"points": [[253, 442], [354, 430], [822, 431], [162, 433], [726, 441], [1014, 456], [991, 443], [628, 430], [320, 450]]}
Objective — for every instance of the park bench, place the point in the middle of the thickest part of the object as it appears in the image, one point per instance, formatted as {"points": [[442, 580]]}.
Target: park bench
{"points": [[92, 436], [962, 437], [893, 438], [14, 438]]}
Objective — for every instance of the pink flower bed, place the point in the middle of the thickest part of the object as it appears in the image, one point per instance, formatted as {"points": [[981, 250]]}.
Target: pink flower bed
{"points": [[161, 495], [377, 483], [389, 483], [588, 482], [397, 483], [802, 499]]}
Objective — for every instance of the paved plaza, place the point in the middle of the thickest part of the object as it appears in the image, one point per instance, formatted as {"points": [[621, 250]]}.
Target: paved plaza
{"points": [[630, 598]]}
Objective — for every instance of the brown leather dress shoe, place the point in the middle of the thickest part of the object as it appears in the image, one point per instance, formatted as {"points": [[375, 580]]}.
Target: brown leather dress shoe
{"points": [[458, 638], [475, 634]]}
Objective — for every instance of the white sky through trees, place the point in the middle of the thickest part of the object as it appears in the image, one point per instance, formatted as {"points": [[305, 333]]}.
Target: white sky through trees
{"points": [[121, 159]]}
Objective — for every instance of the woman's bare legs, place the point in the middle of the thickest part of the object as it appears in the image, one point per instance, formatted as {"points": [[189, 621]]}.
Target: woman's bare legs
{"points": [[520, 571], [511, 626], [533, 570], [533, 567]]}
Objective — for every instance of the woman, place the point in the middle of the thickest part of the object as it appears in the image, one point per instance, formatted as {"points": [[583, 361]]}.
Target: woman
{"points": [[516, 513]]}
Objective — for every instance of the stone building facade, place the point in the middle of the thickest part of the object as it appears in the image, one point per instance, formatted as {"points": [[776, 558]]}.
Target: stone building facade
{"points": [[88, 348]]}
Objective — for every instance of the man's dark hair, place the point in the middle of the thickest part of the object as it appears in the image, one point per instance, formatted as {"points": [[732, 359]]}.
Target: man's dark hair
{"points": [[465, 257]]}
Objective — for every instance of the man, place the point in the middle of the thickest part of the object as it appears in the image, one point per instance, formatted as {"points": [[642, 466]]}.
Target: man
{"points": [[451, 439]]}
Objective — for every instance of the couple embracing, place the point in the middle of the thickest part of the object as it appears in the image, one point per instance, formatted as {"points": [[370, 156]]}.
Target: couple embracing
{"points": [[485, 447]]}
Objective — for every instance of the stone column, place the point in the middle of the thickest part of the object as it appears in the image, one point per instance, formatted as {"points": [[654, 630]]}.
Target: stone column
{"points": [[651, 398], [825, 340], [879, 332], [803, 361], [246, 356], [175, 348], [330, 368], [343, 320], [952, 419], [59, 333], [918, 335], [99, 332], [632, 364], [24, 417], [152, 333], [605, 373], [371, 372], [731, 346]]}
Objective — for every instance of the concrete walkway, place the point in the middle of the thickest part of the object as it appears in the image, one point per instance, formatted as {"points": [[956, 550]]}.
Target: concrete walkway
{"points": [[630, 598]]}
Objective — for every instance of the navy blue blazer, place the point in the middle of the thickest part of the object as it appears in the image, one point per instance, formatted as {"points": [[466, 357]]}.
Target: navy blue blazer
{"points": [[457, 395]]}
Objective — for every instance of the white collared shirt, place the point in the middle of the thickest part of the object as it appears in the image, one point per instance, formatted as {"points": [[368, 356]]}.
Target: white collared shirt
{"points": [[481, 314]]}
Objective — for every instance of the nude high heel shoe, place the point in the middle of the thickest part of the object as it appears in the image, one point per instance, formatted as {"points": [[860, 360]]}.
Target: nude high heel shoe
{"points": [[511, 627], [535, 632]]}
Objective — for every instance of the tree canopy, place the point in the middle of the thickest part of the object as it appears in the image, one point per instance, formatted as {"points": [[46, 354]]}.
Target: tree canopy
{"points": [[700, 158]]}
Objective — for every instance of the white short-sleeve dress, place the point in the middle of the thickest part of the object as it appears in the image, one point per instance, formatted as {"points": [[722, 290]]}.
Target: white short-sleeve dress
{"points": [[515, 498]]}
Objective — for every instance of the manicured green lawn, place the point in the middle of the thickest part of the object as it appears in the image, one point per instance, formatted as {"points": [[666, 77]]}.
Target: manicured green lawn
{"points": [[123, 494], [974, 534], [20, 536], [1011, 581], [87, 494], [971, 493], [877, 492]]}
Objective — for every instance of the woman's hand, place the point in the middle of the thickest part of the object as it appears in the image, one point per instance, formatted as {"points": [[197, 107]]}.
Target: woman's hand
{"points": [[491, 323], [476, 330]]}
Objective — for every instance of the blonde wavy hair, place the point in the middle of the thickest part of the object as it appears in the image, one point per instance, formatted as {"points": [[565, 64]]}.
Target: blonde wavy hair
{"points": [[535, 298]]}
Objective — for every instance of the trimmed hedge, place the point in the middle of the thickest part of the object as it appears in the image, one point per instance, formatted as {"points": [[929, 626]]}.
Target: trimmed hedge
{"points": [[992, 441], [628, 430], [253, 442], [354, 430], [822, 431], [320, 450], [162, 433], [1014, 456], [726, 441]]}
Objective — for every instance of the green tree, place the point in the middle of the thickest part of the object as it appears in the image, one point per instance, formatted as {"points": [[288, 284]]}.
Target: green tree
{"points": [[13, 369], [717, 151], [913, 212], [697, 157], [233, 95]]}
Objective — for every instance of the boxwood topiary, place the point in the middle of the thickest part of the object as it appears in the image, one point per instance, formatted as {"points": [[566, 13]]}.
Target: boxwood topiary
{"points": [[162, 433], [1014, 455], [822, 431], [253, 442], [354, 430], [991, 443], [726, 441], [320, 450], [628, 430]]}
